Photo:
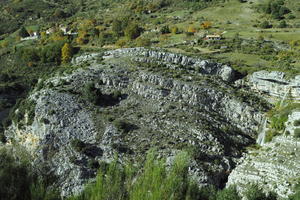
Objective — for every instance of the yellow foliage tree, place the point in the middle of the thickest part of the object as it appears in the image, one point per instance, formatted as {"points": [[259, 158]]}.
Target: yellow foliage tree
{"points": [[206, 25], [66, 53], [174, 30], [294, 43], [57, 36], [191, 29]]}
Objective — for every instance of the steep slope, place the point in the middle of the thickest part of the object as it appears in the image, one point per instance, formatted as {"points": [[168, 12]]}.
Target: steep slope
{"points": [[275, 166]]}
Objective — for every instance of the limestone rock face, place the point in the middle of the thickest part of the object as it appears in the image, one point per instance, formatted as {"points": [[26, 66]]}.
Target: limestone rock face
{"points": [[275, 84], [141, 105], [274, 167], [150, 56]]}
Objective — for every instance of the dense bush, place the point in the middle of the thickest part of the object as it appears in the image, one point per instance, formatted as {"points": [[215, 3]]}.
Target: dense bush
{"points": [[297, 122], [265, 24], [52, 52], [106, 38], [17, 180], [228, 194], [95, 96], [143, 42], [276, 9], [282, 24], [29, 54], [277, 122], [114, 181], [132, 31], [78, 145], [17, 113], [297, 133], [153, 183], [23, 32], [165, 30], [156, 181], [254, 192]]}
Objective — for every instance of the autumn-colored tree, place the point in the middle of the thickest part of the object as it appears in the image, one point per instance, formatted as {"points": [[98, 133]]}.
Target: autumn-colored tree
{"points": [[57, 36], [174, 30], [82, 37], [66, 53], [294, 44], [191, 29], [206, 25]]}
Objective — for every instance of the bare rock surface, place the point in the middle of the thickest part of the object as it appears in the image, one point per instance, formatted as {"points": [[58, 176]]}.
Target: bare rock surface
{"points": [[142, 104]]}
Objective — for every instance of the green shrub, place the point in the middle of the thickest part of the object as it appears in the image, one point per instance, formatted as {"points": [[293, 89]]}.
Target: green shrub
{"points": [[106, 38], [124, 126], [143, 42], [2, 136], [39, 191], [18, 181], [111, 183], [29, 54], [17, 113], [265, 25], [255, 193], [132, 31], [297, 122], [14, 177], [282, 24], [270, 134], [295, 196], [52, 52], [165, 30], [122, 42], [297, 133], [153, 182], [158, 183], [277, 122], [118, 27], [78, 145], [228, 194], [95, 96], [91, 93], [23, 32]]}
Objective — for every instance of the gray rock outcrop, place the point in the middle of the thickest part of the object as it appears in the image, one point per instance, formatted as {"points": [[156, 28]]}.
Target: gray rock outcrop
{"points": [[151, 56], [275, 167], [275, 84], [139, 109]]}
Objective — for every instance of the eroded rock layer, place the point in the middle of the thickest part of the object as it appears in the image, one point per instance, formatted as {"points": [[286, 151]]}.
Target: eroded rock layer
{"points": [[137, 105]]}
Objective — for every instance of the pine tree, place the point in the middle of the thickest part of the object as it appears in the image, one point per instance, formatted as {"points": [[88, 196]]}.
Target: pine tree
{"points": [[66, 53]]}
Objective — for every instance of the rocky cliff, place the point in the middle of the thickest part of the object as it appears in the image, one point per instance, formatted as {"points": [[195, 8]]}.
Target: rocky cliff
{"points": [[145, 99], [275, 84], [275, 166]]}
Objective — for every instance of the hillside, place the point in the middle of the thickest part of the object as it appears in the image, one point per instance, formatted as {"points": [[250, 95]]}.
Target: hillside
{"points": [[89, 88]]}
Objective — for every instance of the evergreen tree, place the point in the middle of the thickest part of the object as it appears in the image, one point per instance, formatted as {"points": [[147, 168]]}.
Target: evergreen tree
{"points": [[23, 32]]}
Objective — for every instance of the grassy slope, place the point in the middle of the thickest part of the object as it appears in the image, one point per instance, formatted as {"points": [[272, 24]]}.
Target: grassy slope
{"points": [[231, 17], [239, 18]]}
